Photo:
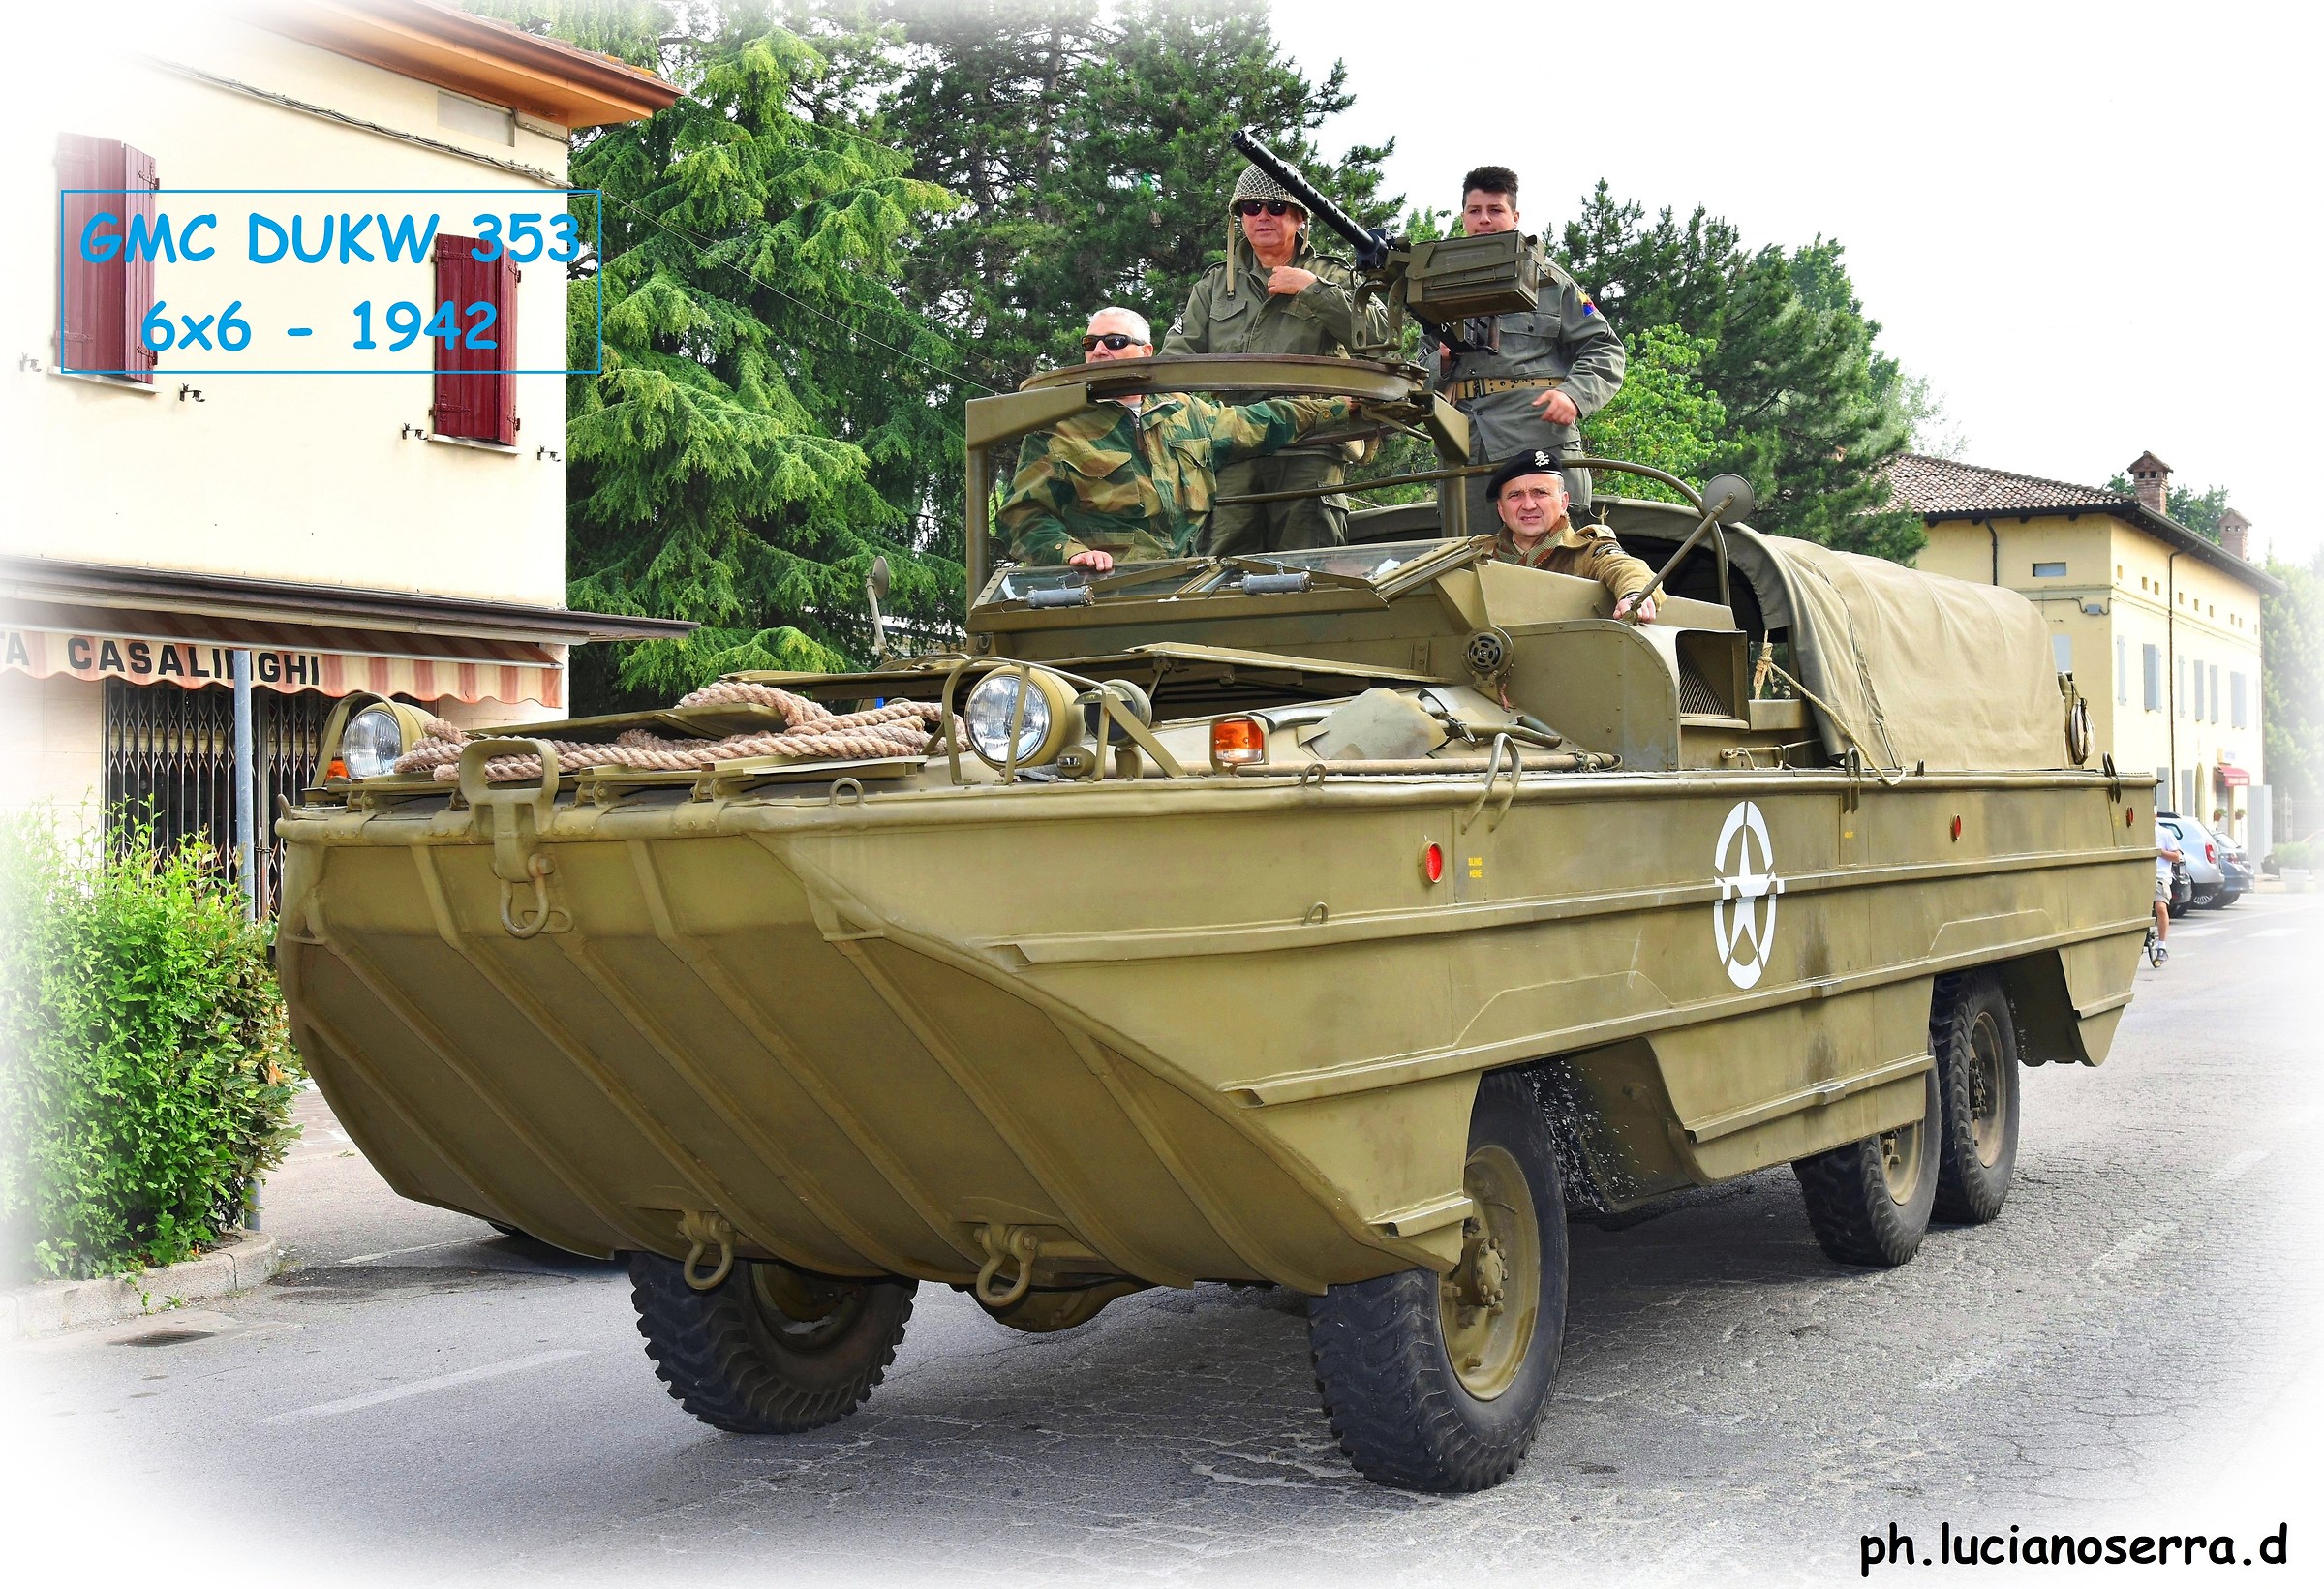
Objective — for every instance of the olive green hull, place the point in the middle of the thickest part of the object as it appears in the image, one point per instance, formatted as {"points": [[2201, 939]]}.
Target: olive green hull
{"points": [[1178, 1029]]}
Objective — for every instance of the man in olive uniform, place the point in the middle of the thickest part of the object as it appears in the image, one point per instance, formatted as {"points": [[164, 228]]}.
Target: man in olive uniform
{"points": [[1526, 381], [1529, 493], [1275, 293], [1132, 480]]}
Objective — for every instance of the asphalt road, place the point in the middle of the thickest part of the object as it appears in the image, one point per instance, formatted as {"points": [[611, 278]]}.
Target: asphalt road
{"points": [[2131, 1348]]}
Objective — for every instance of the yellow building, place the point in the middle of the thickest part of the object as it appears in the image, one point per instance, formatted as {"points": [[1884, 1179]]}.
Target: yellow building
{"points": [[2160, 626], [398, 529]]}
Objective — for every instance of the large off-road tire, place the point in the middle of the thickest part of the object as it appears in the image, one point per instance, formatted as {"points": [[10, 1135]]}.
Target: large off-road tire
{"points": [[770, 1350], [1974, 1035], [1438, 1383], [1869, 1202]]}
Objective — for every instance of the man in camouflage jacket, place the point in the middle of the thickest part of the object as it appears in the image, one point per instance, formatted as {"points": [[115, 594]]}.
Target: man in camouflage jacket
{"points": [[1529, 493], [1526, 381], [1277, 293], [1132, 480]]}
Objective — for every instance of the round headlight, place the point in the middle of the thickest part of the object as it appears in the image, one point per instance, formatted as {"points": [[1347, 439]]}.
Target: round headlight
{"points": [[1043, 732], [372, 741]]}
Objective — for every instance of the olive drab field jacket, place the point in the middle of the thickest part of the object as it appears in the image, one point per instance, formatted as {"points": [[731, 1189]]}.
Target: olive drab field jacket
{"points": [[1138, 483], [1231, 311], [1565, 338], [1587, 552]]}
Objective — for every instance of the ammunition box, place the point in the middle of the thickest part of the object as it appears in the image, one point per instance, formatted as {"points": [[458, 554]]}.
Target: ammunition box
{"points": [[1461, 278]]}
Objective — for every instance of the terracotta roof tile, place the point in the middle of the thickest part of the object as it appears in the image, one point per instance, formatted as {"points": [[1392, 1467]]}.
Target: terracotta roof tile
{"points": [[1924, 484]]}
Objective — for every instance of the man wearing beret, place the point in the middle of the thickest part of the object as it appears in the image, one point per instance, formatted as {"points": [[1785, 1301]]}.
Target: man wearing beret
{"points": [[1131, 480], [1529, 493], [1526, 381], [1275, 293]]}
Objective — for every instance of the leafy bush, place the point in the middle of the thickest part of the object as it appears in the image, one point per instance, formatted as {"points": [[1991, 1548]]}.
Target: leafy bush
{"points": [[2293, 855], [145, 1072]]}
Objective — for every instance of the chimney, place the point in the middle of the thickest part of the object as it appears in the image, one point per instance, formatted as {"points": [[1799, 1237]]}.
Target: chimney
{"points": [[2153, 478], [2235, 534]]}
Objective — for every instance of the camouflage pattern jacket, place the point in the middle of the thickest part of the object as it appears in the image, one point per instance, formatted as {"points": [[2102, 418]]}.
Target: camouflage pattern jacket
{"points": [[1138, 482], [1589, 552]]}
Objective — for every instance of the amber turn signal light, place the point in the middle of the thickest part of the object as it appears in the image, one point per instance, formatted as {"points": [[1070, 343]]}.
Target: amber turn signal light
{"points": [[337, 769], [1432, 862], [1238, 742]]}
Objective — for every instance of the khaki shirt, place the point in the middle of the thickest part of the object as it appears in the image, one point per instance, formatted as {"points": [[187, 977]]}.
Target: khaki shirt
{"points": [[1564, 336], [1590, 552], [1138, 483]]}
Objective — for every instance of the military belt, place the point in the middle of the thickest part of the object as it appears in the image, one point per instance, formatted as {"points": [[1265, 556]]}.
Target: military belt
{"points": [[1460, 391]]}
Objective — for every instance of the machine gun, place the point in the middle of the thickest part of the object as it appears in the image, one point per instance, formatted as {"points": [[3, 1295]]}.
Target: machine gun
{"points": [[1442, 284]]}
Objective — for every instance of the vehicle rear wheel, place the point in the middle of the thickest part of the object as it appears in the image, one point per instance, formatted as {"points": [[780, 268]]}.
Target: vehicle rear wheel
{"points": [[1439, 1383], [1869, 1202], [1974, 1035], [769, 1349]]}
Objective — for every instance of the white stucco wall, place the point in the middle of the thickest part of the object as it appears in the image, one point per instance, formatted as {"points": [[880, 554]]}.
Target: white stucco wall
{"points": [[303, 477]]}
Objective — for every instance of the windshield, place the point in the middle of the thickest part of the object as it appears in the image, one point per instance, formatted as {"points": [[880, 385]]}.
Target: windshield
{"points": [[1373, 562], [1022, 581]]}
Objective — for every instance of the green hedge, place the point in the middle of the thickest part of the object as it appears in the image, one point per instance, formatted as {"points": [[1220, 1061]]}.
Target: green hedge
{"points": [[145, 1072]]}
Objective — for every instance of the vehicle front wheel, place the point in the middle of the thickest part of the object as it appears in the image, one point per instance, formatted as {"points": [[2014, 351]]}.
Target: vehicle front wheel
{"points": [[1869, 1202], [1439, 1382], [1972, 1033], [770, 1350]]}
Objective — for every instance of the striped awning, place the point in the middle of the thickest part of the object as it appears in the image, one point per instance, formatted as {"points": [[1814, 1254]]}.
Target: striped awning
{"points": [[190, 650]]}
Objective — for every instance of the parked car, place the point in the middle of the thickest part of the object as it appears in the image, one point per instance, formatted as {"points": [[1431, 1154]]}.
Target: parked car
{"points": [[2232, 859], [2210, 888]]}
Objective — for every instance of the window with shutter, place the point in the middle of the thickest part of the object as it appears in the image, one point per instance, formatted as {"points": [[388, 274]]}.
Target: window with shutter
{"points": [[475, 395], [102, 304]]}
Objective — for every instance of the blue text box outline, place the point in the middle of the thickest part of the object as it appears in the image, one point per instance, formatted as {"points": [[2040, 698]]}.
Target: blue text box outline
{"points": [[598, 277]]}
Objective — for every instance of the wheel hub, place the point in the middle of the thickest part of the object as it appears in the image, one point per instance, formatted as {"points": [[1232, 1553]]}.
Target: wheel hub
{"points": [[1488, 1303], [1985, 1087], [1900, 1161]]}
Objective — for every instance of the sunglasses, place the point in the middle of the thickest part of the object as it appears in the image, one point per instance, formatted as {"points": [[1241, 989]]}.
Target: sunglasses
{"points": [[1272, 207], [1114, 341]]}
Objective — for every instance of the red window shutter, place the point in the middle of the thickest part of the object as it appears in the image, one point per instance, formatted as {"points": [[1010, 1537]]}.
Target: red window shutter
{"points": [[137, 294], [102, 304], [475, 395]]}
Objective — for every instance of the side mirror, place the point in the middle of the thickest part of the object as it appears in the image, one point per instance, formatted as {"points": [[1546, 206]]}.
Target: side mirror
{"points": [[1735, 492]]}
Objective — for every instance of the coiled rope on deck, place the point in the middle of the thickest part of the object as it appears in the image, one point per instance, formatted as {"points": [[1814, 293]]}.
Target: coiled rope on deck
{"points": [[900, 728]]}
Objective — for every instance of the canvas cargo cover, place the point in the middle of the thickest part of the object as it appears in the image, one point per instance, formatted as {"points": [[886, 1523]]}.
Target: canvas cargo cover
{"points": [[1919, 667]]}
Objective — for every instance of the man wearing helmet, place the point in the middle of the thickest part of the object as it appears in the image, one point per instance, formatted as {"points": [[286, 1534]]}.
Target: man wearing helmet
{"points": [[1275, 293], [1529, 493]]}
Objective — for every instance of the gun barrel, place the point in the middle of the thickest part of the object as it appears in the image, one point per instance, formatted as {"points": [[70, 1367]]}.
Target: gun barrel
{"points": [[1371, 244]]}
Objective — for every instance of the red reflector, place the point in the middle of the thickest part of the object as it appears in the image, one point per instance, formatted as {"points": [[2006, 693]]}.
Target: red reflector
{"points": [[1432, 862], [2130, 815], [1238, 742], [1956, 830]]}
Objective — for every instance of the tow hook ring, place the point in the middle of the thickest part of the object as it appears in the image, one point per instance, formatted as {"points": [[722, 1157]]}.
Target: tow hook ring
{"points": [[537, 867], [1001, 1245], [701, 1231]]}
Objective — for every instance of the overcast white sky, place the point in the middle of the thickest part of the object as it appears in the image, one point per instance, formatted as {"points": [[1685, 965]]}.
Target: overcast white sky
{"points": [[2094, 228]]}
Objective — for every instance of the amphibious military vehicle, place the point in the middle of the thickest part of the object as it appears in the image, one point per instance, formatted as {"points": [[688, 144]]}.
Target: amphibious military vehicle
{"points": [[1339, 920]]}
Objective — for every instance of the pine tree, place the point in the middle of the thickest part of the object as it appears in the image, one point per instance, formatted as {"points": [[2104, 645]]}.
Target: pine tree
{"points": [[1090, 154], [767, 409], [1814, 411]]}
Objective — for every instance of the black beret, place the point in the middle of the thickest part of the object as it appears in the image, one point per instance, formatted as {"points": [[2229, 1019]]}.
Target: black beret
{"points": [[1534, 461]]}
